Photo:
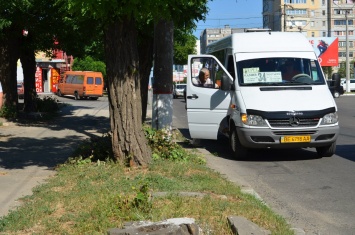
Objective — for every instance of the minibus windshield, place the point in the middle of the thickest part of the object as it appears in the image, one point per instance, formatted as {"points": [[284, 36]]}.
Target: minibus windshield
{"points": [[279, 72]]}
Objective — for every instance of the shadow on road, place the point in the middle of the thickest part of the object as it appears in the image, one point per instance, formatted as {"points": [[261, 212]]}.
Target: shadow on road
{"points": [[220, 147], [49, 143]]}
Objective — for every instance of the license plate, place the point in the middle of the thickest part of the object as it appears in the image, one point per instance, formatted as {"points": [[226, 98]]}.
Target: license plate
{"points": [[296, 139]]}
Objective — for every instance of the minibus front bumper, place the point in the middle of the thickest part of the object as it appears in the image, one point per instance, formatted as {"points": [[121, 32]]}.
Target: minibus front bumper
{"points": [[287, 138]]}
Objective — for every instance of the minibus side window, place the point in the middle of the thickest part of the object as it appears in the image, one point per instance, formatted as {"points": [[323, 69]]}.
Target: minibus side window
{"points": [[79, 79], [90, 80], [98, 81]]}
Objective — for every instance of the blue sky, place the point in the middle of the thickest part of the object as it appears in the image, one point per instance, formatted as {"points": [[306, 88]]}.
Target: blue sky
{"points": [[235, 13]]}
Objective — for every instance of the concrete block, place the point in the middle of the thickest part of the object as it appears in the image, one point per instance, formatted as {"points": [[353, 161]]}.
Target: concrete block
{"points": [[242, 226]]}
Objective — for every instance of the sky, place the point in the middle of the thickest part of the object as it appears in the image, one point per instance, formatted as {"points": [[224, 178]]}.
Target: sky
{"points": [[235, 13]]}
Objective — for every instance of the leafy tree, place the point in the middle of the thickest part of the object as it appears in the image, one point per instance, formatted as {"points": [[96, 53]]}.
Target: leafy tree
{"points": [[89, 64], [342, 69], [120, 22], [184, 44], [41, 20]]}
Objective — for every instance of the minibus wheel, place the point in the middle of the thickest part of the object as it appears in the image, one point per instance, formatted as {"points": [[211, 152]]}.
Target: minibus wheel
{"points": [[326, 151], [76, 96], [239, 151], [59, 93], [336, 94]]}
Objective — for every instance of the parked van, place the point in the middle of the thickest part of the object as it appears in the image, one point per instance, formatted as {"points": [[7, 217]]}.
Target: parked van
{"points": [[178, 90], [254, 103], [81, 85], [351, 83]]}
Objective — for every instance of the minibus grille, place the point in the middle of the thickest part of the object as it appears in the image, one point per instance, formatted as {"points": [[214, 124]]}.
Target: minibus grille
{"points": [[283, 133], [302, 122]]}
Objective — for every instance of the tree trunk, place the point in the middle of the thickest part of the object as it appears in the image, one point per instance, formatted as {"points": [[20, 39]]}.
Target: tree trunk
{"points": [[28, 61], [163, 73], [8, 69], [145, 51], [128, 140]]}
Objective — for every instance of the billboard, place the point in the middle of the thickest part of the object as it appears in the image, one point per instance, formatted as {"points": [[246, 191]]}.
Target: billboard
{"points": [[326, 49]]}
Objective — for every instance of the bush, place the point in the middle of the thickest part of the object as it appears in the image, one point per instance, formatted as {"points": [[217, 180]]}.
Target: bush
{"points": [[93, 150], [47, 104]]}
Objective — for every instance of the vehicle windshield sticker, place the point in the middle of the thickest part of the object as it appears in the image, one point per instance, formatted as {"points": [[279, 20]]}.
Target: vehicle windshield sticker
{"points": [[252, 75]]}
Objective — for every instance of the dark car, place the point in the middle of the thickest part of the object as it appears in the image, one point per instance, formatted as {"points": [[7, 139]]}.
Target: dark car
{"points": [[335, 89], [20, 90]]}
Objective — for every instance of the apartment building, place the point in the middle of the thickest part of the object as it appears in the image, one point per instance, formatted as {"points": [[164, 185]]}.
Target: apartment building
{"points": [[314, 18], [213, 34]]}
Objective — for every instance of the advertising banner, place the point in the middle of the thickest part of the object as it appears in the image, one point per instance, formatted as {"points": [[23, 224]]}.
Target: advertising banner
{"points": [[326, 49], [38, 77], [55, 76]]}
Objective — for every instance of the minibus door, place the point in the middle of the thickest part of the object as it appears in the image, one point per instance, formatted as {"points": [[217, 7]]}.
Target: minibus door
{"points": [[206, 105]]}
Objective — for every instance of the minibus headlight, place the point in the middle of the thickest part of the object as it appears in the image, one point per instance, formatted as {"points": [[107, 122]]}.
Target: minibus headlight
{"points": [[330, 118], [253, 120]]}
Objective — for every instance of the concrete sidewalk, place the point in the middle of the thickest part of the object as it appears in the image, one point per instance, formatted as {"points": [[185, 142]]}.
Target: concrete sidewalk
{"points": [[29, 153]]}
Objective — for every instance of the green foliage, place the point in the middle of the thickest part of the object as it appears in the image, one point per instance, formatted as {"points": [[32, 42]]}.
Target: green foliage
{"points": [[184, 44], [89, 64], [164, 147], [92, 150], [9, 112], [328, 70], [142, 200], [342, 69], [47, 104]]}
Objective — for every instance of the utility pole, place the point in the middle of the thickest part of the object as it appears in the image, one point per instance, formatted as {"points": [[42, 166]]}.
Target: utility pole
{"points": [[284, 17], [347, 66]]}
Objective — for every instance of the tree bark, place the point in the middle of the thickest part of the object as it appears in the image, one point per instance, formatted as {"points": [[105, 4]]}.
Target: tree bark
{"points": [[28, 61], [129, 144], [145, 52], [9, 50]]}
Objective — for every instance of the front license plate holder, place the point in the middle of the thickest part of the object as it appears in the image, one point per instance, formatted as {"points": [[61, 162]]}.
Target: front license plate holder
{"points": [[295, 139]]}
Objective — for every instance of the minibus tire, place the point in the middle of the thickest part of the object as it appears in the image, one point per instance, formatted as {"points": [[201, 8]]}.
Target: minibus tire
{"points": [[76, 96], [59, 93], [336, 94], [326, 151], [239, 151]]}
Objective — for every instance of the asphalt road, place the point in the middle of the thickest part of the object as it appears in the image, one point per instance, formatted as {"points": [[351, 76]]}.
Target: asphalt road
{"points": [[314, 194]]}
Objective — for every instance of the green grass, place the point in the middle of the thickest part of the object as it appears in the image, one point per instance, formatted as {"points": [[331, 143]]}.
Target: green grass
{"points": [[91, 198]]}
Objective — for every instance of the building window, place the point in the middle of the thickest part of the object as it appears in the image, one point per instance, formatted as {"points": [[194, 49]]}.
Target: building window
{"points": [[312, 23], [343, 33], [296, 12], [342, 11], [324, 34], [312, 1], [312, 13], [342, 44], [296, 23], [295, 1], [323, 2], [323, 23], [343, 22], [323, 12], [343, 54], [312, 34]]}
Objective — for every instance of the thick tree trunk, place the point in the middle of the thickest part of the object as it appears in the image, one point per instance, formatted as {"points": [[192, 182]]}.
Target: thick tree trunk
{"points": [[145, 51], [128, 141], [163, 72], [28, 61], [8, 70]]}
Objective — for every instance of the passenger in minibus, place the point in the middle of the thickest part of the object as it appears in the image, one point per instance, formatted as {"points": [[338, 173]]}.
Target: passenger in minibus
{"points": [[204, 79]]}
